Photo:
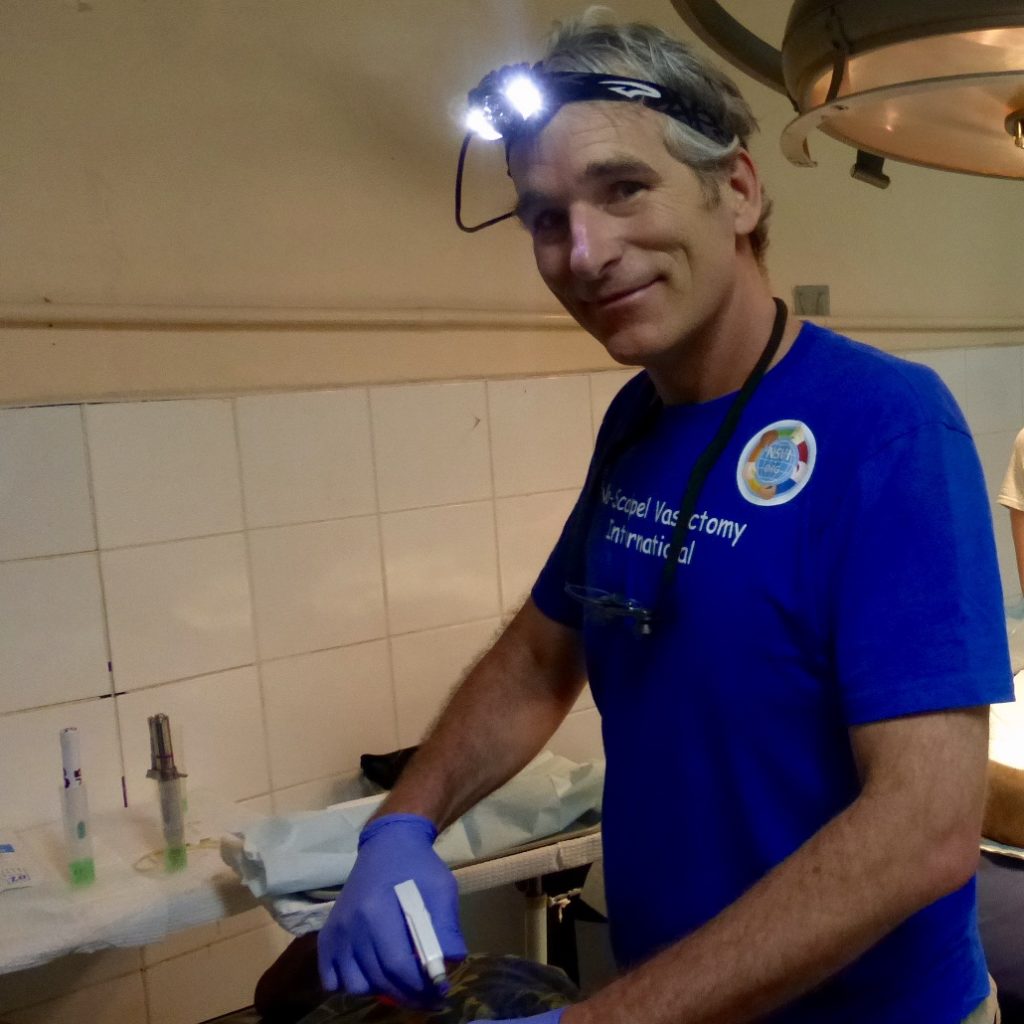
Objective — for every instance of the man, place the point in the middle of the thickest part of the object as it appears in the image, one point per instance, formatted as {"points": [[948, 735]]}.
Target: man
{"points": [[792, 660]]}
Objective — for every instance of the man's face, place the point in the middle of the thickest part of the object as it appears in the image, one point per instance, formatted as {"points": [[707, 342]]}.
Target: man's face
{"points": [[623, 234]]}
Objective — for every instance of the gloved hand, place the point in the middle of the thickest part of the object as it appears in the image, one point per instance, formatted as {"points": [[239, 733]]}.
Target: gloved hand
{"points": [[365, 945], [548, 1017]]}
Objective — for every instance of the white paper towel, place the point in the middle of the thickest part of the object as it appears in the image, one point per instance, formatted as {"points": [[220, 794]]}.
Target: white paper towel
{"points": [[313, 849]]}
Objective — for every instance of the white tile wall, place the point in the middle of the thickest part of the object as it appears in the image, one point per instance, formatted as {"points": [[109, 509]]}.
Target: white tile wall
{"points": [[603, 388], [426, 667], [120, 1001], [180, 943], [261, 805], [317, 585], [295, 579], [212, 980], [218, 732], [541, 433], [248, 921], [951, 365], [445, 458], [994, 399], [306, 457], [56, 979], [441, 566], [44, 599], [994, 451], [325, 709], [178, 610], [30, 760], [163, 470], [44, 488], [579, 736], [528, 527], [310, 796]]}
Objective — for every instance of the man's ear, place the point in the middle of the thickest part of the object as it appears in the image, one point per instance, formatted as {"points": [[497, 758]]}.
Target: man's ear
{"points": [[743, 188]]}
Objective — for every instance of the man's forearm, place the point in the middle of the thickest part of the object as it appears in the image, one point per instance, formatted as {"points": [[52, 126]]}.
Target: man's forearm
{"points": [[816, 912], [911, 837], [497, 720]]}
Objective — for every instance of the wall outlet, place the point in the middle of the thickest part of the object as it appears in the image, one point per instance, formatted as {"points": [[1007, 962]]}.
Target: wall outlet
{"points": [[811, 300]]}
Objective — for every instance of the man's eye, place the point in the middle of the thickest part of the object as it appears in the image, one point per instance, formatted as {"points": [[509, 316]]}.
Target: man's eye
{"points": [[626, 189], [547, 221]]}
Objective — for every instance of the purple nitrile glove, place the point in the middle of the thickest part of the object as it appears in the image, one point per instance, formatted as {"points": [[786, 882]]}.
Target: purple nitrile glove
{"points": [[365, 947], [548, 1017]]}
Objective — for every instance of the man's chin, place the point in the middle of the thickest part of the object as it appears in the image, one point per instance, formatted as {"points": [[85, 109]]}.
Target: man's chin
{"points": [[628, 358], [631, 344], [628, 350]]}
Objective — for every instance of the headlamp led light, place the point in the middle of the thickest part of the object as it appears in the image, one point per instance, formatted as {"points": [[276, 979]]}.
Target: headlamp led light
{"points": [[516, 100], [504, 102]]}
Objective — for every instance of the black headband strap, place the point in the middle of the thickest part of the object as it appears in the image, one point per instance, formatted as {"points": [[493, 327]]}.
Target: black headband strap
{"points": [[558, 88], [562, 87]]}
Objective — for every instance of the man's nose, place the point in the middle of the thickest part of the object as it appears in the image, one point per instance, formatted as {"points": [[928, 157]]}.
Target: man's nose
{"points": [[594, 244]]}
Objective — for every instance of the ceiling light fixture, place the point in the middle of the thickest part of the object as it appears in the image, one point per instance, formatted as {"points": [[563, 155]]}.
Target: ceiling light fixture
{"points": [[937, 83]]}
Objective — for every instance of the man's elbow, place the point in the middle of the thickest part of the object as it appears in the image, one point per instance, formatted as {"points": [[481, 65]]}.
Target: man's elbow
{"points": [[949, 862]]}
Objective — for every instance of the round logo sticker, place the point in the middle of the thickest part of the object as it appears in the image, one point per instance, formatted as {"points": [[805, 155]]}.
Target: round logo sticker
{"points": [[776, 463]]}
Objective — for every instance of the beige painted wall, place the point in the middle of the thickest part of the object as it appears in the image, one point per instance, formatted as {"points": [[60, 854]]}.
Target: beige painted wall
{"points": [[266, 156]]}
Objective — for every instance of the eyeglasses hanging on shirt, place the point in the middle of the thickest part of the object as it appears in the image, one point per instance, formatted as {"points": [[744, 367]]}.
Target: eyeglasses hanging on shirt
{"points": [[607, 606]]}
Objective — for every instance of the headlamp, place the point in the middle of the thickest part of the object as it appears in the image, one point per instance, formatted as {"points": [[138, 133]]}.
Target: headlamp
{"points": [[505, 101], [518, 99]]}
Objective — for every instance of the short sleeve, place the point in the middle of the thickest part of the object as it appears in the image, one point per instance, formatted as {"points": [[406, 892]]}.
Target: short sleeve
{"points": [[916, 595], [567, 562], [1011, 494], [563, 563]]}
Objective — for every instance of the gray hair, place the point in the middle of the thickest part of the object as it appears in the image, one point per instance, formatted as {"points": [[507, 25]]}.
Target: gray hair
{"points": [[593, 42]]}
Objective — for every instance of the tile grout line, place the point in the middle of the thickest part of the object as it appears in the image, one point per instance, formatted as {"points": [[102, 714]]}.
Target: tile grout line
{"points": [[146, 994], [382, 558], [382, 638], [502, 610], [108, 644], [35, 1004], [277, 526], [257, 652]]}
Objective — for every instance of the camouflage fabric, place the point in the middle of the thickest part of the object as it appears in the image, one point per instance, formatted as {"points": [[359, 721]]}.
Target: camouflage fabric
{"points": [[483, 987]]}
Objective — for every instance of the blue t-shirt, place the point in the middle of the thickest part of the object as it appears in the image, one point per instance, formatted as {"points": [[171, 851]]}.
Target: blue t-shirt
{"points": [[839, 569]]}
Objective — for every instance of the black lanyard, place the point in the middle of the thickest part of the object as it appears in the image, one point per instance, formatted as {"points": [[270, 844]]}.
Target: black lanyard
{"points": [[613, 605]]}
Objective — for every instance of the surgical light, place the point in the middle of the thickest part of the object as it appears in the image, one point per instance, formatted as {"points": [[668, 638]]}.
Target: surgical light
{"points": [[937, 83]]}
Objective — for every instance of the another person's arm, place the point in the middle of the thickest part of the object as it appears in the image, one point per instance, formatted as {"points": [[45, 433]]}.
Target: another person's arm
{"points": [[1011, 495], [498, 719], [1017, 530]]}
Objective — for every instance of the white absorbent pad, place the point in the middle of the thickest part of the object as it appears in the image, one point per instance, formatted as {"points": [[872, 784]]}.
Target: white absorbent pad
{"points": [[316, 849], [133, 902]]}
